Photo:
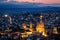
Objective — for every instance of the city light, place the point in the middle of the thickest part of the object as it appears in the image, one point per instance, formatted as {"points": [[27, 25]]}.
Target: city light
{"points": [[6, 15], [10, 19], [34, 27]]}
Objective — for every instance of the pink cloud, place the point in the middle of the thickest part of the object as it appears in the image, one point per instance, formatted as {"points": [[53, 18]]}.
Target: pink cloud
{"points": [[40, 1], [36, 1]]}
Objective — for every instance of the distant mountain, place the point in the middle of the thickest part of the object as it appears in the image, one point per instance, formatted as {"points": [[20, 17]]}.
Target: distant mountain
{"points": [[19, 5], [24, 7]]}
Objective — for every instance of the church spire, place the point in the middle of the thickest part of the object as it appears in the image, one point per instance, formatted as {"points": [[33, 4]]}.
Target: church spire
{"points": [[41, 18]]}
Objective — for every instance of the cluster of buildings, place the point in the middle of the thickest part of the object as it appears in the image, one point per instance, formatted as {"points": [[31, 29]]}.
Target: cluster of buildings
{"points": [[24, 26]]}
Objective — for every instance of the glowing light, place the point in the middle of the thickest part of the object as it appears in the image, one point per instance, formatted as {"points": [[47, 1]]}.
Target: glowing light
{"points": [[55, 30], [6, 15], [29, 33], [24, 26], [44, 34], [31, 29]]}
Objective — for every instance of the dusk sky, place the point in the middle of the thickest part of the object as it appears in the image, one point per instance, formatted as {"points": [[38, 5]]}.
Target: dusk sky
{"points": [[36, 1]]}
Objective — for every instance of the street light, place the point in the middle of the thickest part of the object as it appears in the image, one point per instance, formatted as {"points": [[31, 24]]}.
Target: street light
{"points": [[6, 15]]}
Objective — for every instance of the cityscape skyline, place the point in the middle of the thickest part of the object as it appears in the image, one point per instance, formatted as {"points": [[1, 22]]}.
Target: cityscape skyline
{"points": [[29, 19]]}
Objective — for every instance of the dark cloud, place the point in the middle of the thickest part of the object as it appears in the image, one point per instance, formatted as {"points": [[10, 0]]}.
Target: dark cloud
{"points": [[6, 0], [3, 0]]}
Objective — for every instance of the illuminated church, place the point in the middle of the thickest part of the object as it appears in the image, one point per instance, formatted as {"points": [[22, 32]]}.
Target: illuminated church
{"points": [[40, 27]]}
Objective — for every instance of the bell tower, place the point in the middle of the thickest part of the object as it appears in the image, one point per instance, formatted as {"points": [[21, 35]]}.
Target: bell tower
{"points": [[40, 27]]}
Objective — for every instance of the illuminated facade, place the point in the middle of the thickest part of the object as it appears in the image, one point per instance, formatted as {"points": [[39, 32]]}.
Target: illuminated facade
{"points": [[31, 28], [40, 27], [24, 26], [55, 30]]}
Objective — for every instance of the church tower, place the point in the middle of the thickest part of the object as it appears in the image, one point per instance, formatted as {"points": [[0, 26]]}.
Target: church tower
{"points": [[31, 28], [40, 27]]}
